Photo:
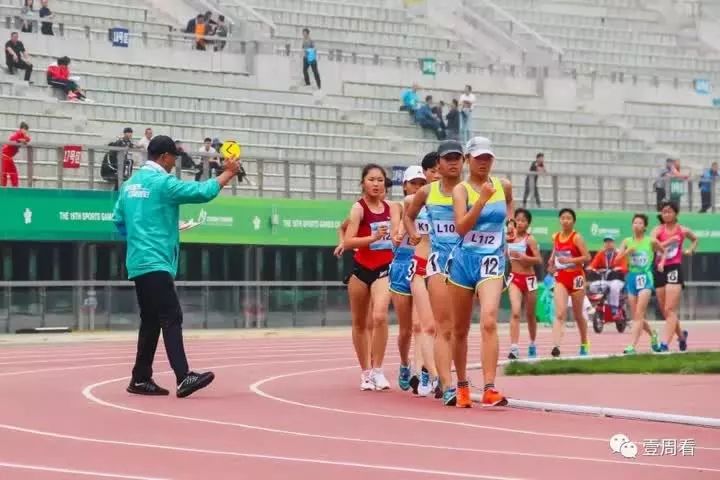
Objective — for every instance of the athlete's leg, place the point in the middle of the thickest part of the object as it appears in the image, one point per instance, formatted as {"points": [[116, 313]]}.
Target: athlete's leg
{"points": [[530, 303], [672, 302], [660, 294], [380, 292], [462, 306], [578, 302], [443, 327], [516, 303], [637, 321], [489, 293], [421, 300], [418, 361], [403, 305], [359, 294], [561, 306]]}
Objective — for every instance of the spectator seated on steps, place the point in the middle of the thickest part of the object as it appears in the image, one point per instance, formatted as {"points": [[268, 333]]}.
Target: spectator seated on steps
{"points": [[58, 77], [118, 160]]}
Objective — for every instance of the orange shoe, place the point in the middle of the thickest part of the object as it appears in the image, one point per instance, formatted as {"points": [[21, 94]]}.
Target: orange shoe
{"points": [[493, 398], [463, 397]]}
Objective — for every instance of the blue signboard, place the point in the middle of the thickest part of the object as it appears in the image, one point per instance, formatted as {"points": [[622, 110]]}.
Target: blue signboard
{"points": [[120, 37], [702, 86], [397, 175]]}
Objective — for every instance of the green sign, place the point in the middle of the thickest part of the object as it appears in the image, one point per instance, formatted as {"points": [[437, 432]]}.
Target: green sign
{"points": [[428, 66], [85, 215]]}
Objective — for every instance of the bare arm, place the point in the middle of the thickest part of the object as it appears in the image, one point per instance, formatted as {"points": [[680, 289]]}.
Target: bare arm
{"points": [[396, 230], [465, 219], [507, 187], [412, 211], [624, 250], [536, 259], [689, 234], [584, 254]]}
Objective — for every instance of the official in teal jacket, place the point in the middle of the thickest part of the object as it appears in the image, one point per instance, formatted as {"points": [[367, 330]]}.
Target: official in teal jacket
{"points": [[147, 214]]}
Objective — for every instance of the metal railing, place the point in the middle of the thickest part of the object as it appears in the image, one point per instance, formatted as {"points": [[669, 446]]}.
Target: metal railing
{"points": [[111, 305], [44, 166]]}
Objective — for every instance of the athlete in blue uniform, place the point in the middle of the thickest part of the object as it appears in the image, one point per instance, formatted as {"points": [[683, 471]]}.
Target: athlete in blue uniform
{"points": [[437, 198], [477, 266]]}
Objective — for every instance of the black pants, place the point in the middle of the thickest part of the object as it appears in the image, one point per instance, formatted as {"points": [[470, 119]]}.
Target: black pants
{"points": [[312, 65], [20, 65], [159, 310], [531, 185], [706, 201]]}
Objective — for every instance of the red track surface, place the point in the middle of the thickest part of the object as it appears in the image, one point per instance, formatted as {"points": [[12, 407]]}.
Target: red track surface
{"points": [[291, 408]]}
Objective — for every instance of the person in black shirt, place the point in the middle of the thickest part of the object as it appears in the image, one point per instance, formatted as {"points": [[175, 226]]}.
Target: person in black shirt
{"points": [[537, 167], [16, 57], [453, 121], [46, 28]]}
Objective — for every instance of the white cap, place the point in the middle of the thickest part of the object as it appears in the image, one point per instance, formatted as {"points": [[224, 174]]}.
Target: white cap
{"points": [[478, 146], [413, 172]]}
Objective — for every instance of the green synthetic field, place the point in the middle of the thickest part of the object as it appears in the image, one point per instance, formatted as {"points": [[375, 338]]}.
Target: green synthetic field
{"points": [[680, 363]]}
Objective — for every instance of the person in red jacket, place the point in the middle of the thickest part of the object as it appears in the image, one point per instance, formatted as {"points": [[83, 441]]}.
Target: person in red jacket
{"points": [[58, 76], [7, 166]]}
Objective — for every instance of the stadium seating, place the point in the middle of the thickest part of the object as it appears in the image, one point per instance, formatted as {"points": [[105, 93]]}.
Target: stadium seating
{"points": [[293, 131]]}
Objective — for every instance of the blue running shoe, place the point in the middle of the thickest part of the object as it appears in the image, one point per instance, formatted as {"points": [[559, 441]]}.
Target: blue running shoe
{"points": [[532, 351], [450, 397], [683, 341], [664, 348], [404, 378], [584, 350]]}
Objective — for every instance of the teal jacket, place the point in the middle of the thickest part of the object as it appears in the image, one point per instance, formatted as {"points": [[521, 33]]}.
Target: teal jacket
{"points": [[147, 214]]}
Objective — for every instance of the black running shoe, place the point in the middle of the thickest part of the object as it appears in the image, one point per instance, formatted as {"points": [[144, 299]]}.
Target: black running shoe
{"points": [[194, 382], [555, 352], [146, 388], [414, 384]]}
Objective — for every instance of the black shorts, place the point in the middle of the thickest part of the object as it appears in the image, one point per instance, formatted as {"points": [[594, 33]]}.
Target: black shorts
{"points": [[671, 275], [366, 275]]}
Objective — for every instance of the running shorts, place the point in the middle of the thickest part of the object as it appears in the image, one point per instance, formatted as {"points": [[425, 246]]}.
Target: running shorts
{"points": [[573, 281], [526, 282], [671, 275], [401, 273], [636, 282], [419, 266], [367, 276], [469, 270], [437, 262]]}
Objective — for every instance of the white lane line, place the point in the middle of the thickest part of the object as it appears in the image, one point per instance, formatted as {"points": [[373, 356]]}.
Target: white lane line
{"points": [[256, 389], [88, 393], [317, 461], [38, 468]]}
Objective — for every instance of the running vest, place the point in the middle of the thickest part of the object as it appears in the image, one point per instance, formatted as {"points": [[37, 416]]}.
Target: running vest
{"points": [[566, 249], [380, 252], [442, 219], [673, 252], [405, 251], [487, 236], [520, 246], [641, 258]]}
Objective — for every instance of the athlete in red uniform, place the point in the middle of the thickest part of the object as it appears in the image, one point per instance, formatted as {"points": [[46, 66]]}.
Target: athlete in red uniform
{"points": [[7, 164], [369, 232], [566, 263], [524, 255]]}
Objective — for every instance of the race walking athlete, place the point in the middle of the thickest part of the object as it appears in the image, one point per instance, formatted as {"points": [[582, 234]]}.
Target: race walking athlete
{"points": [[639, 282], [425, 327], [437, 199], [524, 255], [477, 266], [369, 232], [566, 264], [668, 273], [401, 272]]}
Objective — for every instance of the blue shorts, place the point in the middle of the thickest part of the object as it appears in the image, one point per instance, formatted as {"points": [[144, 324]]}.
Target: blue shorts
{"points": [[637, 282], [437, 262], [400, 276], [469, 269]]}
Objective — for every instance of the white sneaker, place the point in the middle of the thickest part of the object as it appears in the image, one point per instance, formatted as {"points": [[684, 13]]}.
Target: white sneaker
{"points": [[427, 387], [379, 380], [366, 382]]}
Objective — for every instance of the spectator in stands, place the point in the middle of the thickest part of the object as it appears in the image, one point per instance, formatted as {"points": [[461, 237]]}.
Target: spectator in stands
{"points": [[425, 117], [26, 14], [8, 169], [200, 32], [536, 168], [213, 161], [410, 100], [192, 23], [670, 183], [222, 32], [110, 164], [467, 103], [145, 141], [453, 121], [187, 163], [46, 27], [707, 186], [438, 112], [309, 58], [16, 57], [58, 76]]}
